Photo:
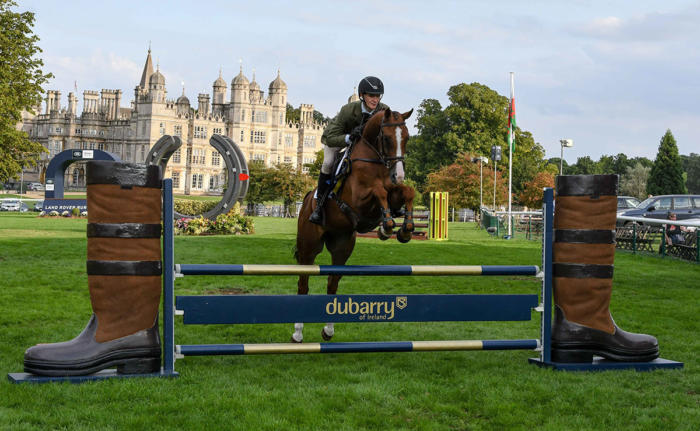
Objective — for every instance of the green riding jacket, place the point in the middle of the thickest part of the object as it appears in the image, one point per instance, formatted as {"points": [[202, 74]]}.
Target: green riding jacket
{"points": [[349, 117]]}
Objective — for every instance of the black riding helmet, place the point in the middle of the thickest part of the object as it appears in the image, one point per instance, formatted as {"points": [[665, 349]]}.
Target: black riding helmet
{"points": [[370, 85]]}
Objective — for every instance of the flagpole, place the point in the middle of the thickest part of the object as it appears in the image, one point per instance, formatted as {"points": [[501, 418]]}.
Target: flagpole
{"points": [[511, 138]]}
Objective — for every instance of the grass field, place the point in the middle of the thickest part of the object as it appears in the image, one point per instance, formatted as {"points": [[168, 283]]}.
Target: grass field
{"points": [[44, 298]]}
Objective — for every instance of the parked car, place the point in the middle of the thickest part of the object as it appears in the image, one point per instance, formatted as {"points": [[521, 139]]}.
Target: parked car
{"points": [[39, 206], [657, 207], [35, 186], [10, 205], [626, 203]]}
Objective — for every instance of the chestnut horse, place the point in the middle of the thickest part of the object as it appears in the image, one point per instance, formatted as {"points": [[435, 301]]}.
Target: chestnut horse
{"points": [[372, 191]]}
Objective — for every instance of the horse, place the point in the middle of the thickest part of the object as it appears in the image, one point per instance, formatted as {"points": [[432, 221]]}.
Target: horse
{"points": [[372, 191]]}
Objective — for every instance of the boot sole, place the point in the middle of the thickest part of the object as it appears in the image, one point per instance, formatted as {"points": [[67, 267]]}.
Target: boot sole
{"points": [[585, 355], [127, 362]]}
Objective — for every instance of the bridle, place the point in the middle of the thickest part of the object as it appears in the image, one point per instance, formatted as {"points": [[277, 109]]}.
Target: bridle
{"points": [[378, 148]]}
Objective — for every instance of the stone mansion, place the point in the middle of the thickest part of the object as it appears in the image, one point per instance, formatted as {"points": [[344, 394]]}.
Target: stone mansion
{"points": [[257, 124]]}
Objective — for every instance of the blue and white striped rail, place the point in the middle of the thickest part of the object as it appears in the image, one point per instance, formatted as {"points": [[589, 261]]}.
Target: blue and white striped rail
{"points": [[362, 347], [376, 270]]}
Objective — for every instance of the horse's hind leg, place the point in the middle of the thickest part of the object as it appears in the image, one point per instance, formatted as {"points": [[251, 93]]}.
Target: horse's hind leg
{"points": [[340, 246]]}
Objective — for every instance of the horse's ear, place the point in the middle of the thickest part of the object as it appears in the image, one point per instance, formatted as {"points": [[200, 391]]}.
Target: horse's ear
{"points": [[387, 114], [407, 114]]}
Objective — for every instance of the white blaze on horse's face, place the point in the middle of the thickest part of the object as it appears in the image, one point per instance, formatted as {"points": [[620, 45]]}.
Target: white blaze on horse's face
{"points": [[398, 175]]}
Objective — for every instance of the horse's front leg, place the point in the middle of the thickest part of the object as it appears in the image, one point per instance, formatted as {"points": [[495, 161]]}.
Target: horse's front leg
{"points": [[309, 245], [399, 196], [302, 289], [340, 246], [387, 223]]}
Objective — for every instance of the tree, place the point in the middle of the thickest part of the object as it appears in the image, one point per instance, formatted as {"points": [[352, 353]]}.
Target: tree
{"points": [[258, 192], [666, 176], [461, 179], [21, 79], [691, 165], [320, 118], [315, 167], [584, 166], [643, 160], [288, 184], [532, 194], [634, 181], [554, 161], [292, 114], [473, 122]]}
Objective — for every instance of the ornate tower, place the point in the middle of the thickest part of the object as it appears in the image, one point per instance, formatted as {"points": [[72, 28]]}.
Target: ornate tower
{"points": [[255, 93], [156, 87], [203, 104], [239, 97], [219, 98], [183, 103]]}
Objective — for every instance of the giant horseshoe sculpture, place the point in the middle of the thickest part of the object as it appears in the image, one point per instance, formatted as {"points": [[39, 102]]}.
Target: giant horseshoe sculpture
{"points": [[236, 168]]}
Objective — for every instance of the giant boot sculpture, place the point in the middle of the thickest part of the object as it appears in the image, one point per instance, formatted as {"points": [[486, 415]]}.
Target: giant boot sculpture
{"points": [[124, 276], [583, 255]]}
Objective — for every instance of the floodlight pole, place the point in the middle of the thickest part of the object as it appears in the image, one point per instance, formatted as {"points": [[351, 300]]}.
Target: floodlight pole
{"points": [[564, 143]]}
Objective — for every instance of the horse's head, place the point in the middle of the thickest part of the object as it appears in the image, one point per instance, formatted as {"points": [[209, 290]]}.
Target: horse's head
{"points": [[387, 133]]}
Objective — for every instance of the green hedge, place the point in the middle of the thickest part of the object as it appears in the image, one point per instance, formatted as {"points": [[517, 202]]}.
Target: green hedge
{"points": [[192, 207]]}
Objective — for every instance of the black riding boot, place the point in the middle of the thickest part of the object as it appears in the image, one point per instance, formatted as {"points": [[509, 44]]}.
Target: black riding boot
{"points": [[324, 186]]}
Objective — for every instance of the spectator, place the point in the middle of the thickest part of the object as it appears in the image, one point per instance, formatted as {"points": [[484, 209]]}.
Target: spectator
{"points": [[674, 233]]}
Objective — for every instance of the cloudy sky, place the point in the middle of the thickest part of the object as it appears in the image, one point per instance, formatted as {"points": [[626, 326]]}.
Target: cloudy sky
{"points": [[612, 76]]}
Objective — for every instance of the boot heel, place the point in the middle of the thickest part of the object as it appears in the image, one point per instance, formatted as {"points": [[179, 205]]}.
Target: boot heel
{"points": [[572, 356], [139, 366]]}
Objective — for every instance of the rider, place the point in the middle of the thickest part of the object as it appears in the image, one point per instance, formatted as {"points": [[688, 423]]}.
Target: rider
{"points": [[345, 129]]}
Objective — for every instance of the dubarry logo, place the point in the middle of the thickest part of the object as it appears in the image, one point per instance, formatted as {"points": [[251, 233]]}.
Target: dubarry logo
{"points": [[401, 302], [367, 310]]}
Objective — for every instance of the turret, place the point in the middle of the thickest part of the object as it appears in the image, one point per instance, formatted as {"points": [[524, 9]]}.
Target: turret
{"points": [[278, 91], [203, 100], [183, 103], [156, 86], [254, 91], [219, 90], [90, 102], [239, 88]]}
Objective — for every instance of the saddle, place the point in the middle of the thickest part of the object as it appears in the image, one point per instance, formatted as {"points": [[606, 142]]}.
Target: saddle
{"points": [[342, 167]]}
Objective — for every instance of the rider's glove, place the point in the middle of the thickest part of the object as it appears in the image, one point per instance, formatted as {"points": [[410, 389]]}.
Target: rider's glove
{"points": [[356, 133]]}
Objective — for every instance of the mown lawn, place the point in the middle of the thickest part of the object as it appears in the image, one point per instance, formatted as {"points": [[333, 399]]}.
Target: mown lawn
{"points": [[44, 298]]}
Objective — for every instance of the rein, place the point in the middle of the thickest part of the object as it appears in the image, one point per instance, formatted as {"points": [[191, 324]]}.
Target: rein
{"points": [[378, 148]]}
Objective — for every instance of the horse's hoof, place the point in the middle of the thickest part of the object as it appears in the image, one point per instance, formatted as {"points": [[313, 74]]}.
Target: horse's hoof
{"points": [[292, 340], [403, 236], [382, 235], [325, 336]]}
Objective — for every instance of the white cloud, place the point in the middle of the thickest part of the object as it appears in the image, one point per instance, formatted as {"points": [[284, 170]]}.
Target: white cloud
{"points": [[603, 26]]}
